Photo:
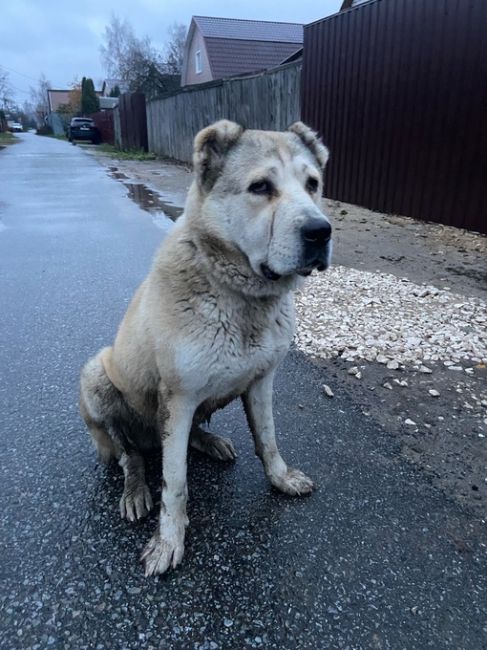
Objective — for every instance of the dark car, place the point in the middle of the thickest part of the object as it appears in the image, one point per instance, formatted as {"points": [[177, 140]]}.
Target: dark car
{"points": [[83, 128]]}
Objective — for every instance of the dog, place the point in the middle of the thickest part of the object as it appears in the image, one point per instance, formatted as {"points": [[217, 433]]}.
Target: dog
{"points": [[212, 321]]}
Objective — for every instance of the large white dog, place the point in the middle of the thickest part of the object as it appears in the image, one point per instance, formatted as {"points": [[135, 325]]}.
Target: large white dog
{"points": [[212, 320]]}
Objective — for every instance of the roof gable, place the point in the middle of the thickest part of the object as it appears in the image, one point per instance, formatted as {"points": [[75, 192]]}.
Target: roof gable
{"points": [[249, 30], [58, 98]]}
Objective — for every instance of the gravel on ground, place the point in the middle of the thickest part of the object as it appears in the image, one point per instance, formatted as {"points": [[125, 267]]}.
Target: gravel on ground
{"points": [[356, 315]]}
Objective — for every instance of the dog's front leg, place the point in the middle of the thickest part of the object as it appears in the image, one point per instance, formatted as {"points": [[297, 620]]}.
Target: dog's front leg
{"points": [[166, 548], [257, 401]]}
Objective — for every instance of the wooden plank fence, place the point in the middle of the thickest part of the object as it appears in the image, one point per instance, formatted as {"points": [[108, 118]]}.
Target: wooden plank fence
{"points": [[268, 100]]}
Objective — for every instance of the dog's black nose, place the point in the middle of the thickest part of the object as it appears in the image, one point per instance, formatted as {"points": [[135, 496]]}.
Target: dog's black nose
{"points": [[316, 233], [316, 236]]}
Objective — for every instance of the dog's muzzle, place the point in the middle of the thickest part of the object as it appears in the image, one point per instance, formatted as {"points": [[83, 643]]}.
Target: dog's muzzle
{"points": [[315, 252], [316, 241]]}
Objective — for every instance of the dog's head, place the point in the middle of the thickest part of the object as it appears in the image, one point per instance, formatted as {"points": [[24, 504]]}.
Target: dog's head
{"points": [[261, 192]]}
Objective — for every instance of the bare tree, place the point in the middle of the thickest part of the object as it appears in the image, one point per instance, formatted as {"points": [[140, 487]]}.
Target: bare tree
{"points": [[136, 62], [125, 56], [39, 98], [174, 53], [119, 40], [28, 110], [6, 92]]}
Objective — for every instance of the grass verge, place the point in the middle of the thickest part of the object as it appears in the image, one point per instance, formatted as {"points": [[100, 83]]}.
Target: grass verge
{"points": [[7, 138], [132, 154]]}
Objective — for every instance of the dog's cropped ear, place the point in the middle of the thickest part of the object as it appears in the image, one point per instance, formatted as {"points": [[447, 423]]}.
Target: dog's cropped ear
{"points": [[211, 146], [312, 141]]}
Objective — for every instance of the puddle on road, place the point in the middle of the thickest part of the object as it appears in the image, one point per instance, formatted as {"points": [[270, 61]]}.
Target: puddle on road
{"points": [[151, 201], [147, 199], [118, 176]]}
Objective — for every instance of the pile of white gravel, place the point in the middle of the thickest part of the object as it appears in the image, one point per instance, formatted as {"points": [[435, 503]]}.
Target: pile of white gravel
{"points": [[358, 315]]}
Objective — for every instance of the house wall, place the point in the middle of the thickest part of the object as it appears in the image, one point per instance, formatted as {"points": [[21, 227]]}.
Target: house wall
{"points": [[269, 100], [191, 76], [397, 91], [56, 123]]}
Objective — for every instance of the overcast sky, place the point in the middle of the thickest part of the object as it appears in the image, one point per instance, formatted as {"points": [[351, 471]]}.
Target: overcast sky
{"points": [[61, 38]]}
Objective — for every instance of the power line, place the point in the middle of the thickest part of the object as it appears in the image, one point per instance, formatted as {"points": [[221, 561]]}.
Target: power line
{"points": [[13, 86], [19, 73], [20, 90]]}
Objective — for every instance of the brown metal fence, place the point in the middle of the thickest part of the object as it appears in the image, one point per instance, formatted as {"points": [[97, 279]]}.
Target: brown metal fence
{"points": [[104, 124], [130, 122], [398, 91]]}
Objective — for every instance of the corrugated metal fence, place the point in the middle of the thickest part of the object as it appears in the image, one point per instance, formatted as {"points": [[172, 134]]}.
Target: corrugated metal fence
{"points": [[398, 91], [268, 100]]}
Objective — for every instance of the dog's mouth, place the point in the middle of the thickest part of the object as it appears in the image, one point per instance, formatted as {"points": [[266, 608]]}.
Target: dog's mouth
{"points": [[308, 270], [269, 274]]}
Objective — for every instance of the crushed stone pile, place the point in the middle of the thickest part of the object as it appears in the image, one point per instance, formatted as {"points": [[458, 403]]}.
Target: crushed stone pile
{"points": [[358, 315]]}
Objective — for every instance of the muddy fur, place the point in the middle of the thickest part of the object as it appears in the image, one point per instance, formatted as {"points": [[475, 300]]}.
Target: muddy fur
{"points": [[211, 322]]}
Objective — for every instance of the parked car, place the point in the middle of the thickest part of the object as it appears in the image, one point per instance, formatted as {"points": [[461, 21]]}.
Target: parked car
{"points": [[83, 128], [15, 127]]}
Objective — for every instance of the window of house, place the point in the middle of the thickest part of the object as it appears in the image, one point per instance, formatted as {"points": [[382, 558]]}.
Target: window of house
{"points": [[197, 60]]}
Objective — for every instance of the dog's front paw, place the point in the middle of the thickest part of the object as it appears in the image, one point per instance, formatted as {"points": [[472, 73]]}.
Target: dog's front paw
{"points": [[164, 550], [135, 503], [293, 482]]}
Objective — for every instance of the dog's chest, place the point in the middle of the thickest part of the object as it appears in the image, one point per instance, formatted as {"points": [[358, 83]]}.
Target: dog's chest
{"points": [[234, 343]]}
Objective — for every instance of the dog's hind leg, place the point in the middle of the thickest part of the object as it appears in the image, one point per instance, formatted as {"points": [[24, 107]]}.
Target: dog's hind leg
{"points": [[111, 421], [136, 500], [211, 444]]}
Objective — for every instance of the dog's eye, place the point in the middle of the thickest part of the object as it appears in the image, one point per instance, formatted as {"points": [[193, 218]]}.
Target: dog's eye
{"points": [[312, 184], [261, 187]]}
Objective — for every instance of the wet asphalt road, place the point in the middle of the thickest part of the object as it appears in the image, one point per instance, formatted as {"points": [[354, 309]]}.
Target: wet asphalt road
{"points": [[376, 558]]}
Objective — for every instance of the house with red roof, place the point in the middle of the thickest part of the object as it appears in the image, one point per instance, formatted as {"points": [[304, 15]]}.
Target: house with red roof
{"points": [[226, 47]]}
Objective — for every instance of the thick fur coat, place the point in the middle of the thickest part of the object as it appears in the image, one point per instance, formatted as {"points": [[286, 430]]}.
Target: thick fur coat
{"points": [[212, 321]]}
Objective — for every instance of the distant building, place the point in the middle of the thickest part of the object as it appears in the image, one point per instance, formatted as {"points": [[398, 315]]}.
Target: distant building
{"points": [[57, 98], [110, 84], [107, 103], [224, 47]]}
